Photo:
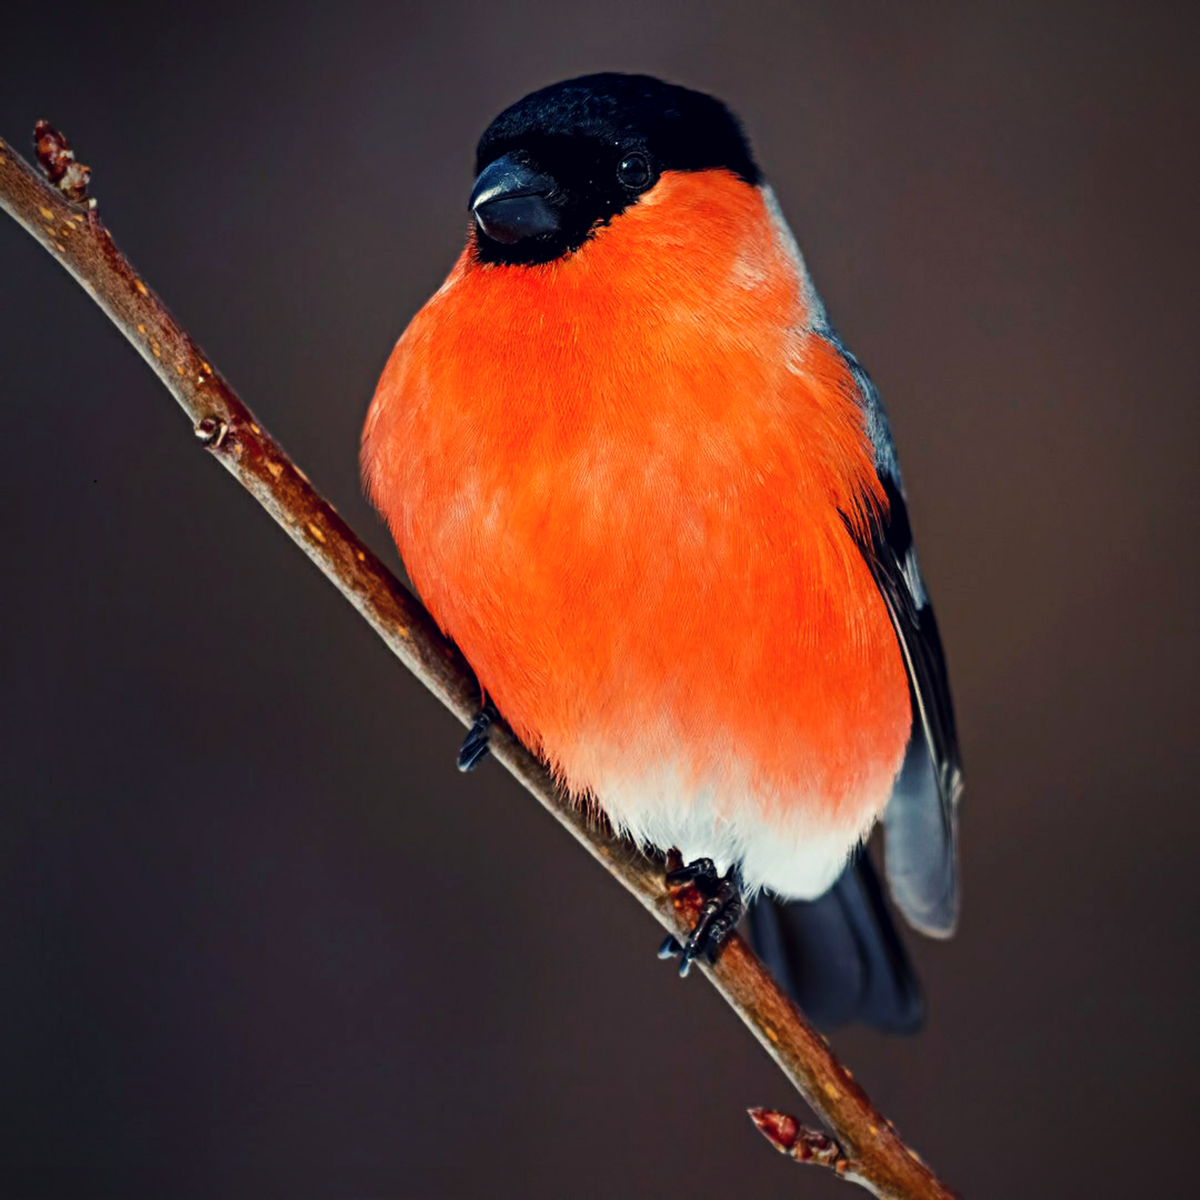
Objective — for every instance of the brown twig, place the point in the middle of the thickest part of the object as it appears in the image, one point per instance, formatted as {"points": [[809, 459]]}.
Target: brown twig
{"points": [[867, 1149]]}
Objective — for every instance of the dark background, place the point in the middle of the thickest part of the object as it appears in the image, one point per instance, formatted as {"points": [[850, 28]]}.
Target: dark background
{"points": [[258, 937]]}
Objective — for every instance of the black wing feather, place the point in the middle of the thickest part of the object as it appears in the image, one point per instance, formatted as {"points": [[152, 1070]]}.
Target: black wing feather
{"points": [[921, 821]]}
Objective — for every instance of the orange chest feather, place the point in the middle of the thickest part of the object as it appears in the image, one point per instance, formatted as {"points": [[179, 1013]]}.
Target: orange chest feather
{"points": [[617, 480]]}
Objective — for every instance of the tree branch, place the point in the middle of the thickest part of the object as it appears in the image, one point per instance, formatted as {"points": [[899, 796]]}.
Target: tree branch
{"points": [[64, 220]]}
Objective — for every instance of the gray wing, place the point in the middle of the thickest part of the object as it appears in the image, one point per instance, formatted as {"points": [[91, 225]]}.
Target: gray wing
{"points": [[921, 820]]}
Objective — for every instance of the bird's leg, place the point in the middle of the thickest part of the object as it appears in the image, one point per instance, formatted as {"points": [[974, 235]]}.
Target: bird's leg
{"points": [[475, 745], [723, 908]]}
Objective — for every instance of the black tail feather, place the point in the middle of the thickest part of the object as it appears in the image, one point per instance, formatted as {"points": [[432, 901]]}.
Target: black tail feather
{"points": [[839, 956]]}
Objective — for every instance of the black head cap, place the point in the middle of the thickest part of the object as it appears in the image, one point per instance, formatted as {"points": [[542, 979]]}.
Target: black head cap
{"points": [[567, 158]]}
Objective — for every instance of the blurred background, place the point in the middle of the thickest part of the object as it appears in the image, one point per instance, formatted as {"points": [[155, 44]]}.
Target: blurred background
{"points": [[259, 937]]}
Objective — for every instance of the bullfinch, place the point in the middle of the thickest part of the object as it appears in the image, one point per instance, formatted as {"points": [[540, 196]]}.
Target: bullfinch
{"points": [[635, 474]]}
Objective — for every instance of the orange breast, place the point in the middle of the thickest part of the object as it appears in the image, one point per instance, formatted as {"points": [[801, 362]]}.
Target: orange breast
{"points": [[617, 481]]}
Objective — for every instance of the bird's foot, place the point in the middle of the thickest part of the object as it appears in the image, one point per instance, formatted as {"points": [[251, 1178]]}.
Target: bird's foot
{"points": [[475, 746], [722, 910]]}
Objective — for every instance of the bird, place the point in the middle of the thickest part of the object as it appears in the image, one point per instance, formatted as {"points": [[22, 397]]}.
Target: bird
{"points": [[635, 474]]}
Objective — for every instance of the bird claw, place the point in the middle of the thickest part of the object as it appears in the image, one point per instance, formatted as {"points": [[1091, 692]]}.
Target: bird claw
{"points": [[723, 909], [475, 747], [702, 872], [670, 947]]}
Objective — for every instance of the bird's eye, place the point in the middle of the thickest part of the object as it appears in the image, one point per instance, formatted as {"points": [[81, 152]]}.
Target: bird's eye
{"points": [[634, 172]]}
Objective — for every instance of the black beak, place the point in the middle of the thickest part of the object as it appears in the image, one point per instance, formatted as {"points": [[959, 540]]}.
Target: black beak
{"points": [[509, 201]]}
